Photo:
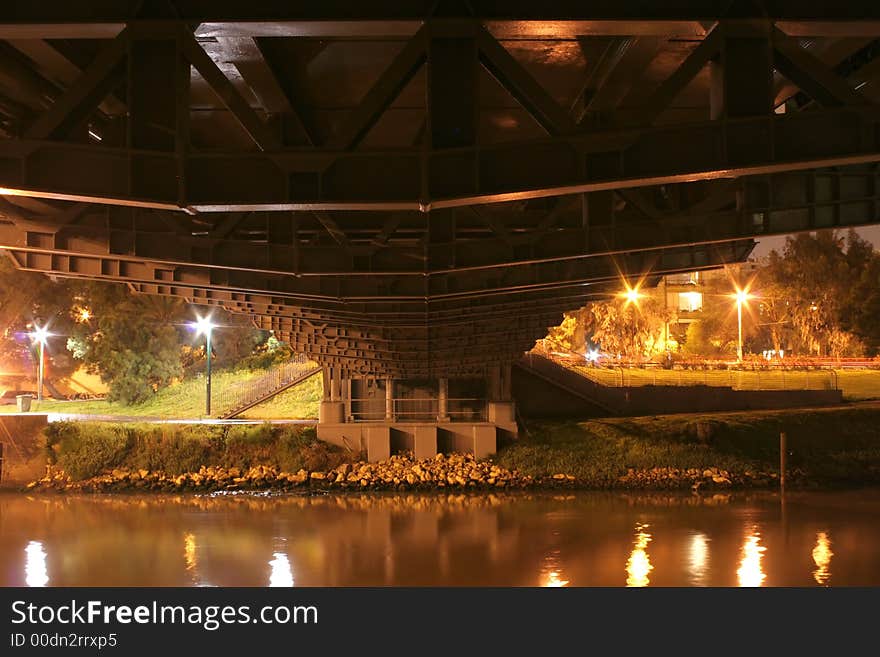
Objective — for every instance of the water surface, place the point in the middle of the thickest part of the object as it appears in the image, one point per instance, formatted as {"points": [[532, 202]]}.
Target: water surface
{"points": [[543, 539]]}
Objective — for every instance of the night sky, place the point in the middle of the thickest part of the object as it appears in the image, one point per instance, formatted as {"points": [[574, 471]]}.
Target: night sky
{"points": [[870, 233]]}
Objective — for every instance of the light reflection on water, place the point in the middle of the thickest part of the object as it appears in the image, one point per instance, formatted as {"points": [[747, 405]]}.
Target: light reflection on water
{"points": [[551, 575], [639, 564], [750, 572], [282, 575], [822, 558], [582, 539], [698, 559], [35, 573]]}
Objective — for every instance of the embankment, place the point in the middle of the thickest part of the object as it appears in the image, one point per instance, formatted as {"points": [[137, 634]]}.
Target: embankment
{"points": [[826, 447]]}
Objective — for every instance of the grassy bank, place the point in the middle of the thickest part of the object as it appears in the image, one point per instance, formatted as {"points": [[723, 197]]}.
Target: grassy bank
{"points": [[186, 399], [86, 449], [825, 446]]}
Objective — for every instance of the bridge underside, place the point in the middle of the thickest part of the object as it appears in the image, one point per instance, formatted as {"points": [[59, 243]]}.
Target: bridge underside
{"points": [[417, 190]]}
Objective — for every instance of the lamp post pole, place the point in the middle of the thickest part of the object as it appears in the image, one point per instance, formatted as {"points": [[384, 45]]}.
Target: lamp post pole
{"points": [[40, 385], [208, 379], [739, 320]]}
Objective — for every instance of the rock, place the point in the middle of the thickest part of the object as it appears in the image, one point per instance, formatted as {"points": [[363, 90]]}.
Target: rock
{"points": [[559, 476], [317, 475], [707, 473]]}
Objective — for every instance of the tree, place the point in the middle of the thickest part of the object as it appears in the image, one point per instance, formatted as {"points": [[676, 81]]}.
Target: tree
{"points": [[27, 300], [716, 333], [570, 334], [131, 341], [627, 329], [235, 339], [825, 286], [861, 309]]}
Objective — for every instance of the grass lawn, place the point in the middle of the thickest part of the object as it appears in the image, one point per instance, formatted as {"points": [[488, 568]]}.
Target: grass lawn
{"points": [[856, 384], [181, 400], [299, 402], [829, 445]]}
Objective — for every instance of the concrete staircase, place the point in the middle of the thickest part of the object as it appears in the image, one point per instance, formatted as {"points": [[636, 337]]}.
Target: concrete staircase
{"points": [[595, 399], [250, 393]]}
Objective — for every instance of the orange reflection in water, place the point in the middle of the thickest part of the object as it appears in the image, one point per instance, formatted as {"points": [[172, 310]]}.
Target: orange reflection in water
{"points": [[189, 552], [553, 580], [750, 572], [698, 559], [639, 564], [551, 572], [822, 558]]}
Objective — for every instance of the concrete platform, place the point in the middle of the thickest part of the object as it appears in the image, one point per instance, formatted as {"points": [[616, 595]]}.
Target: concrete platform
{"points": [[382, 439]]}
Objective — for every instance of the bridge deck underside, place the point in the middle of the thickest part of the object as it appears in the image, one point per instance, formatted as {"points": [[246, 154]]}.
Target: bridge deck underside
{"points": [[421, 189]]}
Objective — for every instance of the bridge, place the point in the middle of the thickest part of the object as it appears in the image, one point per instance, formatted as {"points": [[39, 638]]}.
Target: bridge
{"points": [[411, 192]]}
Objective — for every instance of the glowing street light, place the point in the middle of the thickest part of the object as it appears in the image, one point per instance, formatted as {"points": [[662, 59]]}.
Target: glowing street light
{"points": [[742, 297], [631, 294], [206, 326], [39, 335]]}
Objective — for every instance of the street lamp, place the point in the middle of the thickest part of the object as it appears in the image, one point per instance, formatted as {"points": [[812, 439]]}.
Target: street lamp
{"points": [[741, 297], [205, 325], [40, 334], [631, 294]]}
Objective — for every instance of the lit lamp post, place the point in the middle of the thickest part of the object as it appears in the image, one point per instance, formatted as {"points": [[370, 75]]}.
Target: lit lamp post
{"points": [[741, 297], [205, 325], [40, 335], [631, 294]]}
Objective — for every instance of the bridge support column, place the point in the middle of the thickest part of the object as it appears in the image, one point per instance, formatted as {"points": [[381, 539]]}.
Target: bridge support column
{"points": [[501, 409], [331, 412], [389, 400], [332, 408], [443, 401]]}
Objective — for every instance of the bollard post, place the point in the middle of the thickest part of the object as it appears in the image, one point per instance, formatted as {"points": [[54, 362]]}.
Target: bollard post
{"points": [[782, 450]]}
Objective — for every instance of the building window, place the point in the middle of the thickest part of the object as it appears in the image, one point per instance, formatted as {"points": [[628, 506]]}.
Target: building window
{"points": [[689, 302]]}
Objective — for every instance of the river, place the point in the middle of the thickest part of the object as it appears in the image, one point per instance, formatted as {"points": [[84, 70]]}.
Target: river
{"points": [[527, 539]]}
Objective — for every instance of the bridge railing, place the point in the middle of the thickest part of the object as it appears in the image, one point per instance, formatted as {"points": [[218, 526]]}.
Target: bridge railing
{"points": [[421, 409], [243, 393]]}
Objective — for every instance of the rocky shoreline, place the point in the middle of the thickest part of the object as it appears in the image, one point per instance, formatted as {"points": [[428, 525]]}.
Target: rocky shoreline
{"points": [[443, 472]]}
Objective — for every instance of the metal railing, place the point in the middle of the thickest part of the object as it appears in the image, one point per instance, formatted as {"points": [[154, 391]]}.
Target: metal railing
{"points": [[246, 392], [745, 377], [420, 409], [771, 379]]}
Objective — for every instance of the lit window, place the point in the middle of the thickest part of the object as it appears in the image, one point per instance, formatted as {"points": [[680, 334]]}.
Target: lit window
{"points": [[690, 301]]}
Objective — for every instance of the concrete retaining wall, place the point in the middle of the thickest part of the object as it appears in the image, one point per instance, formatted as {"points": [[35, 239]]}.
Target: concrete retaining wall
{"points": [[655, 400], [24, 452], [538, 396]]}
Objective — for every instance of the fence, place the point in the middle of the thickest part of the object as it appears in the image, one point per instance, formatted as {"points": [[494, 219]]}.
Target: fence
{"points": [[421, 409], [246, 392], [770, 377]]}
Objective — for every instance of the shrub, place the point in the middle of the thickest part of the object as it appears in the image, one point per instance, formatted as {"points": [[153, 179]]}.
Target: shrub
{"points": [[86, 449], [84, 454]]}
